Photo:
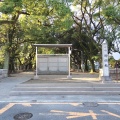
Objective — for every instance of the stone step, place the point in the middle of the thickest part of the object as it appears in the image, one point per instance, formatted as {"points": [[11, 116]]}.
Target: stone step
{"points": [[24, 93], [70, 85], [66, 88]]}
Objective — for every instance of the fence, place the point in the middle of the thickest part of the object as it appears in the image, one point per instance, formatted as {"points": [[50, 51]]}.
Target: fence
{"points": [[115, 74]]}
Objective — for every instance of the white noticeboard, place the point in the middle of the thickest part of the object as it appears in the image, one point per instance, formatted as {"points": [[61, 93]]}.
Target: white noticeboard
{"points": [[105, 59], [52, 64]]}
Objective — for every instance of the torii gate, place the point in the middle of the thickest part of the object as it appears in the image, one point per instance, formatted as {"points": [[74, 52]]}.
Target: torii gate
{"points": [[51, 46]]}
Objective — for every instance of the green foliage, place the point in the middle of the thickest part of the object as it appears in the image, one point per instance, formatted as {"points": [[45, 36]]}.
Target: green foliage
{"points": [[8, 6], [110, 11], [112, 62], [1, 57], [45, 51]]}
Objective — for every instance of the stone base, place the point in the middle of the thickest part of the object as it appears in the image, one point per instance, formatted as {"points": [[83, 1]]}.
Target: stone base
{"points": [[69, 77], [106, 79], [36, 77]]}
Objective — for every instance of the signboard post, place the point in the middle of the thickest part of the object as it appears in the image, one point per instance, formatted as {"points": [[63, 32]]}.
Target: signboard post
{"points": [[36, 76], [105, 77], [69, 52]]}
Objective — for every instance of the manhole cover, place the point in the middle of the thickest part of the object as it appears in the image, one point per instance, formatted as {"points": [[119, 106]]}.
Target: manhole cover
{"points": [[23, 116], [90, 104]]}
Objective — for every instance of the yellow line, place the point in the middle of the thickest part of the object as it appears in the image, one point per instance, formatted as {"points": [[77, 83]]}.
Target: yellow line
{"points": [[6, 108], [93, 115], [112, 114]]}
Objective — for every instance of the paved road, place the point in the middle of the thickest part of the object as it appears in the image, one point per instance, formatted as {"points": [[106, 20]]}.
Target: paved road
{"points": [[60, 111]]}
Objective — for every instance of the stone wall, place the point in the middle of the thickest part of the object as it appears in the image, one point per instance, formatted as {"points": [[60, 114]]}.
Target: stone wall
{"points": [[3, 73]]}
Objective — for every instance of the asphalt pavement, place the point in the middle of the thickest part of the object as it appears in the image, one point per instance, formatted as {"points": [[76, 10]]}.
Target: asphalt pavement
{"points": [[60, 111]]}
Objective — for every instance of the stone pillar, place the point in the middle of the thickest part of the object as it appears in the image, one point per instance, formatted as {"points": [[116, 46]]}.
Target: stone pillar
{"points": [[105, 65]]}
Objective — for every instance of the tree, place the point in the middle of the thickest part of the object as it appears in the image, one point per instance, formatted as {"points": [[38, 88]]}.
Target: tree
{"points": [[38, 25], [110, 10], [24, 23], [89, 26]]}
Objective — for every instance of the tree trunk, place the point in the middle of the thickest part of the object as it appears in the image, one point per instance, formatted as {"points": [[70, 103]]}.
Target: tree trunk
{"points": [[11, 65], [92, 66], [86, 65], [6, 61], [7, 56]]}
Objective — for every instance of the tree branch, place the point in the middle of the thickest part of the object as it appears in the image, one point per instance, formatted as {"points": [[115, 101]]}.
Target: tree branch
{"points": [[6, 22]]}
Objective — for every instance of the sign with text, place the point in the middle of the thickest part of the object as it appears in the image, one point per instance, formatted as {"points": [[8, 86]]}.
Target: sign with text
{"points": [[105, 59]]}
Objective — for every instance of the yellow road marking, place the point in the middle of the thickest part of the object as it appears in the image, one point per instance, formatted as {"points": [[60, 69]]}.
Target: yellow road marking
{"points": [[71, 115], [93, 115], [112, 114], [6, 108]]}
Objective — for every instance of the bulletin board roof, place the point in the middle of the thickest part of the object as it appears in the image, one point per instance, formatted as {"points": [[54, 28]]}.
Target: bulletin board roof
{"points": [[53, 45]]}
